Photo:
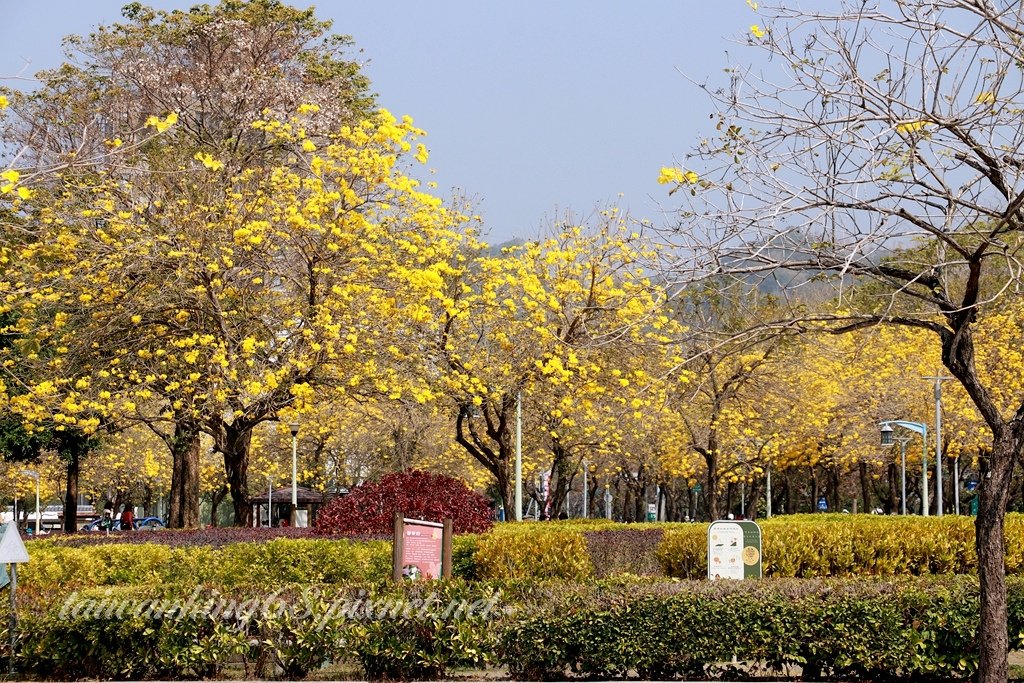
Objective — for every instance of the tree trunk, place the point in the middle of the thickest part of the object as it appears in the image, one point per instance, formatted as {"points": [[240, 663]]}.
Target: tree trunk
{"points": [[488, 438], [71, 495], [833, 483], [711, 486], [174, 502], [215, 500], [184, 502], [865, 487], [639, 507], [814, 489], [233, 441], [787, 489], [892, 501], [238, 475], [190, 484], [993, 640], [593, 503], [561, 479]]}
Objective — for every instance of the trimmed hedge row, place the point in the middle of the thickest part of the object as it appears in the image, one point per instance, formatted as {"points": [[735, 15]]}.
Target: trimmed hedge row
{"points": [[879, 631], [133, 633], [858, 546], [59, 567], [803, 546], [910, 629]]}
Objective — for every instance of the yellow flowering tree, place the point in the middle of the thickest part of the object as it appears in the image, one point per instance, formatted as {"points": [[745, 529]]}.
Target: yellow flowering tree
{"points": [[163, 90], [558, 325]]}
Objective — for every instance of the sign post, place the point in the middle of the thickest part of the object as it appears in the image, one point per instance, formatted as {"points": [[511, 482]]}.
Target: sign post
{"points": [[734, 550], [421, 550], [12, 553]]}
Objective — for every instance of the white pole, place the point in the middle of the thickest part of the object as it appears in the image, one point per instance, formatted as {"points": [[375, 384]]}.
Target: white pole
{"points": [[295, 488], [938, 446], [956, 485], [903, 476], [768, 492], [586, 491], [924, 471], [39, 520], [519, 456], [270, 504]]}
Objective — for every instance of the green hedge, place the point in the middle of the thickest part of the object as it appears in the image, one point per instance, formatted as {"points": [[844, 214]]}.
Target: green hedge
{"points": [[862, 545], [58, 567], [803, 546], [136, 633], [907, 629]]}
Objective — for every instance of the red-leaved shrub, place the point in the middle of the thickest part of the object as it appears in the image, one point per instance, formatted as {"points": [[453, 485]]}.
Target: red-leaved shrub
{"points": [[371, 507]]}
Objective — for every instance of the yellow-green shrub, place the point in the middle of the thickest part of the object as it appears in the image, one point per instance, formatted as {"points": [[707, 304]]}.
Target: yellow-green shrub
{"points": [[546, 554], [845, 545], [280, 561]]}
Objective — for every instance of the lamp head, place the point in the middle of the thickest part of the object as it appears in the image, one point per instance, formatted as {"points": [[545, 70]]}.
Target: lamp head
{"points": [[294, 427], [886, 434]]}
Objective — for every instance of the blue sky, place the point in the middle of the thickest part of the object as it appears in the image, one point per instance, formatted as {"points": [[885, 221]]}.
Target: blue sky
{"points": [[532, 108]]}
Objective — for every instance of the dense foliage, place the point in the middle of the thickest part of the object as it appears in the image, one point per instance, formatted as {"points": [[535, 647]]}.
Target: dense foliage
{"points": [[807, 546], [552, 618], [909, 629], [371, 507]]}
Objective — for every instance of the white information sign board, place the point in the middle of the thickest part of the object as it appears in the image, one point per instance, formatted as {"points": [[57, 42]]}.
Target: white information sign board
{"points": [[734, 550]]}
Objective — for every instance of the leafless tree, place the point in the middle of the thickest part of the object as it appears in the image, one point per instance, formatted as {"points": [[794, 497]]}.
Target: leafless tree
{"points": [[851, 137]]}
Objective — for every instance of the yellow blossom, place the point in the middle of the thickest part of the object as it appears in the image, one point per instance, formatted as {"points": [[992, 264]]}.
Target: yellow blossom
{"points": [[162, 124], [208, 161], [911, 126], [671, 174]]}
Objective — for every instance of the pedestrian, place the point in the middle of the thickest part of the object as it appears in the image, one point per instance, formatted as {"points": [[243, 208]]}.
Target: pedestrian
{"points": [[127, 518]]}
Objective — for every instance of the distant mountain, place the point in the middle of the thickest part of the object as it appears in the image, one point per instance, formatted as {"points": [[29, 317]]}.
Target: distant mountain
{"points": [[495, 249]]}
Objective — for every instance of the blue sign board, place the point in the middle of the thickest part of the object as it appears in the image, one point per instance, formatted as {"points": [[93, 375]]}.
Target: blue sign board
{"points": [[822, 504]]}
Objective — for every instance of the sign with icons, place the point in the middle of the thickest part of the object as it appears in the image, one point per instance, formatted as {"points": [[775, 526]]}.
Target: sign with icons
{"points": [[734, 550]]}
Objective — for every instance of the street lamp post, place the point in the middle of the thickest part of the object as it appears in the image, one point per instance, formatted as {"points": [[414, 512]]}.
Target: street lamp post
{"points": [[903, 441], [607, 502], [35, 475], [586, 492], [519, 456], [294, 427], [887, 440]]}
